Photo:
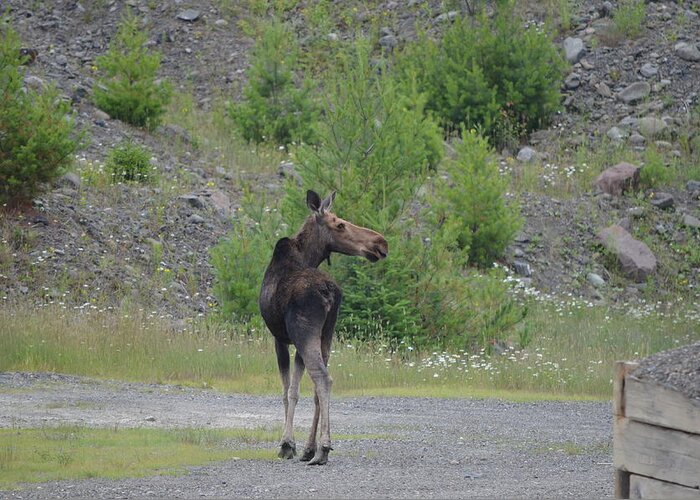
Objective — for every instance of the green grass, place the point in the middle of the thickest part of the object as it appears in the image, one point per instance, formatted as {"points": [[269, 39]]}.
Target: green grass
{"points": [[569, 354], [74, 452]]}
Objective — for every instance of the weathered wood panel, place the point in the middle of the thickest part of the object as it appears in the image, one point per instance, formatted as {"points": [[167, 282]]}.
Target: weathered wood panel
{"points": [[665, 454], [655, 404], [646, 487], [622, 368]]}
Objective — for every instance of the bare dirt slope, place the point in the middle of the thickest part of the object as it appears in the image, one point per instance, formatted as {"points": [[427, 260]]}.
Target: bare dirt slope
{"points": [[414, 447]]}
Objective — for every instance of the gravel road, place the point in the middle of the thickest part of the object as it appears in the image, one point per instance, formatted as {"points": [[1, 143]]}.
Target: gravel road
{"points": [[435, 448]]}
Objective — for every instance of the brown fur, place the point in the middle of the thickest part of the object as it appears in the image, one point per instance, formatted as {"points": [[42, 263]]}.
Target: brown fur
{"points": [[300, 304]]}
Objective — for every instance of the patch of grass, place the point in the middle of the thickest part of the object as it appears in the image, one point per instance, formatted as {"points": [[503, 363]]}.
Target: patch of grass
{"points": [[571, 355], [211, 132], [629, 17], [74, 452]]}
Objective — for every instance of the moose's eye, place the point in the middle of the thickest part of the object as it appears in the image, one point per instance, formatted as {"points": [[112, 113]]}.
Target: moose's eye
{"points": [[341, 226]]}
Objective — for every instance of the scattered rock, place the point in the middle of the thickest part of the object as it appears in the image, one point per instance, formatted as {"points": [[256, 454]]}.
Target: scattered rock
{"points": [[573, 81], [526, 154], [193, 200], [195, 219], [618, 179], [651, 127], [648, 70], [595, 280], [189, 15], [637, 140], [70, 179], [662, 200], [616, 134], [635, 92], [635, 258], [574, 49], [522, 268], [690, 221], [34, 82], [687, 51]]}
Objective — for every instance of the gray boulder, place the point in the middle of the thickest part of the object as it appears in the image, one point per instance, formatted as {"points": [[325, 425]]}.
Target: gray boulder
{"points": [[618, 179], [662, 200], [574, 49], [526, 154], [690, 221], [636, 260], [651, 127], [687, 51], [635, 92]]}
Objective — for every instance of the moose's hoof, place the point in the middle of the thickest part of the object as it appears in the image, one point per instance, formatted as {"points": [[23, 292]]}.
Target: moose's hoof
{"points": [[287, 450], [321, 456], [309, 453]]}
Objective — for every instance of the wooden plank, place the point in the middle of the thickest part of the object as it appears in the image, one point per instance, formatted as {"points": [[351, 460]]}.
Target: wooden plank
{"points": [[646, 487], [622, 483], [648, 450], [622, 368], [652, 403]]}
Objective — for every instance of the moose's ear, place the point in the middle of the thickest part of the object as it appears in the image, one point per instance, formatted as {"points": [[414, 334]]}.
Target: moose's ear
{"points": [[313, 201], [327, 203]]}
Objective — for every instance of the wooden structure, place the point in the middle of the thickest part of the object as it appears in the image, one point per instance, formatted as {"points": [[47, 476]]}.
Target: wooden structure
{"points": [[656, 438]]}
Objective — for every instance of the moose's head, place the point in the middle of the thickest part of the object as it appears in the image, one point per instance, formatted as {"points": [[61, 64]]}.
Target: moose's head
{"points": [[342, 236]]}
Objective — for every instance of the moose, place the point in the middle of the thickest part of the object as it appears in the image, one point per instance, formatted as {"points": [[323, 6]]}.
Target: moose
{"points": [[299, 304]]}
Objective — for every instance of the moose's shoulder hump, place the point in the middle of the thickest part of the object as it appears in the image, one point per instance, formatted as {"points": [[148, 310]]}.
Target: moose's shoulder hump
{"points": [[282, 248]]}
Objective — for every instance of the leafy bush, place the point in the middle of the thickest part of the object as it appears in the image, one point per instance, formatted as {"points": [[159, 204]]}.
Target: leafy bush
{"points": [[241, 258], [275, 109], [469, 209], [36, 130], [493, 74], [375, 146], [128, 89], [129, 162]]}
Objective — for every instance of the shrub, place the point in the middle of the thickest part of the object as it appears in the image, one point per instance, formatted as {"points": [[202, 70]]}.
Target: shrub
{"points": [[36, 130], [128, 89], [274, 109], [240, 259], [129, 162], [375, 146], [493, 74], [469, 209]]}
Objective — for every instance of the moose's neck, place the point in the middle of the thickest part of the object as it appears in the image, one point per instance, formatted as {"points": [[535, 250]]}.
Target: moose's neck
{"points": [[312, 251]]}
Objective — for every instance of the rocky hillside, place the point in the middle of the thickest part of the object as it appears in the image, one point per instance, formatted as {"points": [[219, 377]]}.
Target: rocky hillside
{"points": [[92, 246]]}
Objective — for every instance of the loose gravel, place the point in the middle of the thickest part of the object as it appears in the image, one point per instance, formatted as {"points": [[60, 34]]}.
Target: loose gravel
{"points": [[415, 447]]}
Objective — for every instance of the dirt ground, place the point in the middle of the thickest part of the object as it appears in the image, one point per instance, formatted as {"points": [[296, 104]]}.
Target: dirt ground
{"points": [[432, 448]]}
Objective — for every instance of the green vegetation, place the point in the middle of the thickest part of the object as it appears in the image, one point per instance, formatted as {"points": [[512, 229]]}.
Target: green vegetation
{"points": [[437, 318], [629, 17], [128, 88], [74, 452], [36, 129], [470, 203], [129, 162], [571, 355], [492, 74], [274, 109]]}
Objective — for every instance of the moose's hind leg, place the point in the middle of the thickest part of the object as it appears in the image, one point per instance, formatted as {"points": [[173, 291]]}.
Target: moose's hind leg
{"points": [[310, 448], [288, 448]]}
